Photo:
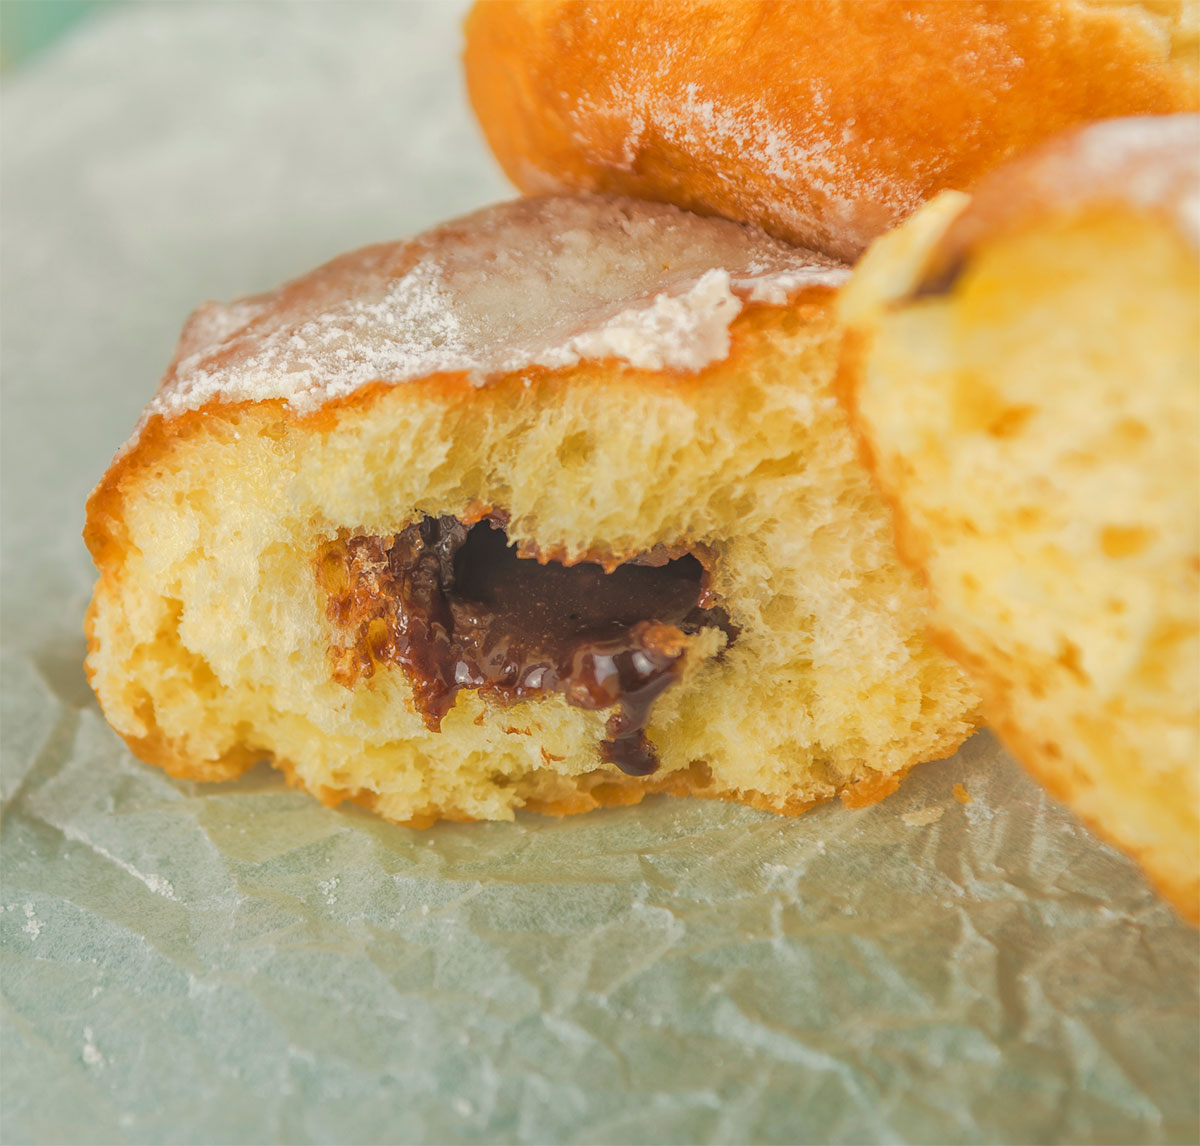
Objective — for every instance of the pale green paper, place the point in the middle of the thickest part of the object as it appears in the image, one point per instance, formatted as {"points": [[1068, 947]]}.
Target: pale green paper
{"points": [[237, 964]]}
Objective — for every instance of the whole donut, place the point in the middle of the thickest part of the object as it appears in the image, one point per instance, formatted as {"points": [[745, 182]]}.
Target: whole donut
{"points": [[825, 123]]}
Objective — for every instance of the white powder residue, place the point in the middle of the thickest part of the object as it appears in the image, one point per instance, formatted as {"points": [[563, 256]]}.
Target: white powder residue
{"points": [[820, 189], [534, 282], [1152, 162], [1149, 163], [156, 883], [923, 817], [327, 888], [686, 332], [33, 925], [777, 288], [212, 323], [91, 1052]]}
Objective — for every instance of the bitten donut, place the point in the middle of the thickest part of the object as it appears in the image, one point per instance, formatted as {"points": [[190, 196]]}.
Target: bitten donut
{"points": [[824, 122], [549, 508], [1025, 369]]}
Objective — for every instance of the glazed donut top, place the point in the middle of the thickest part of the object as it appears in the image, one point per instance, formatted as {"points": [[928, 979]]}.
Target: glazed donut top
{"points": [[533, 282], [1148, 163]]}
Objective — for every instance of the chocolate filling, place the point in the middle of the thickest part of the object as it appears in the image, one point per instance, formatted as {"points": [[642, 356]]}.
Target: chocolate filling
{"points": [[938, 280], [456, 607]]}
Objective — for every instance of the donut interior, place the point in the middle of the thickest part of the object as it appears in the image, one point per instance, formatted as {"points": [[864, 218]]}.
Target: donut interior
{"points": [[225, 628]]}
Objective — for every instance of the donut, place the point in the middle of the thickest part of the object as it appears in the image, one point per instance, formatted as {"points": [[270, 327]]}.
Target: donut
{"points": [[1024, 367], [549, 508], [823, 122]]}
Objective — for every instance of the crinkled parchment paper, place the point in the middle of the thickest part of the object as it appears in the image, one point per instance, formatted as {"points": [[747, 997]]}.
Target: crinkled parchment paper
{"points": [[237, 964]]}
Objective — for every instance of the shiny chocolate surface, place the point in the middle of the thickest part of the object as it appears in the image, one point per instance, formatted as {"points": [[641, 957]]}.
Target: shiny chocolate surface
{"points": [[456, 607]]}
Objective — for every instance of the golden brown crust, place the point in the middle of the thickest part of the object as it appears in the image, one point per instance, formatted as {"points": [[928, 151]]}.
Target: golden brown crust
{"points": [[606, 788], [825, 123]]}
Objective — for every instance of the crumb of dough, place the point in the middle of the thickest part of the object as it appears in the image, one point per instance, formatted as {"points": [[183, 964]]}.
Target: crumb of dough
{"points": [[922, 817]]}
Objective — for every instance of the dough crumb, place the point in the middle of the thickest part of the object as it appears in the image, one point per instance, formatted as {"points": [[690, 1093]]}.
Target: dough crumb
{"points": [[922, 817], [91, 1053]]}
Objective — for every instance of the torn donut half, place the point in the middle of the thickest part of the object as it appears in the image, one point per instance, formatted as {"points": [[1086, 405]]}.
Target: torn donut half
{"points": [[1023, 367], [549, 508]]}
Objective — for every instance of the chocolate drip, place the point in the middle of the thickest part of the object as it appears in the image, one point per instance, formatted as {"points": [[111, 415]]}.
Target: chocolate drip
{"points": [[938, 280], [457, 608]]}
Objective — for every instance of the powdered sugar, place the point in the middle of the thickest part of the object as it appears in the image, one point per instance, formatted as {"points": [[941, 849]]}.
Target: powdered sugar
{"points": [[535, 282], [686, 331], [700, 126], [1151, 162]]}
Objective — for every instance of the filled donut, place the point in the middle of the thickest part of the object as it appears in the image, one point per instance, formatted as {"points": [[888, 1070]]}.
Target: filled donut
{"points": [[1024, 366], [549, 508], [824, 122]]}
